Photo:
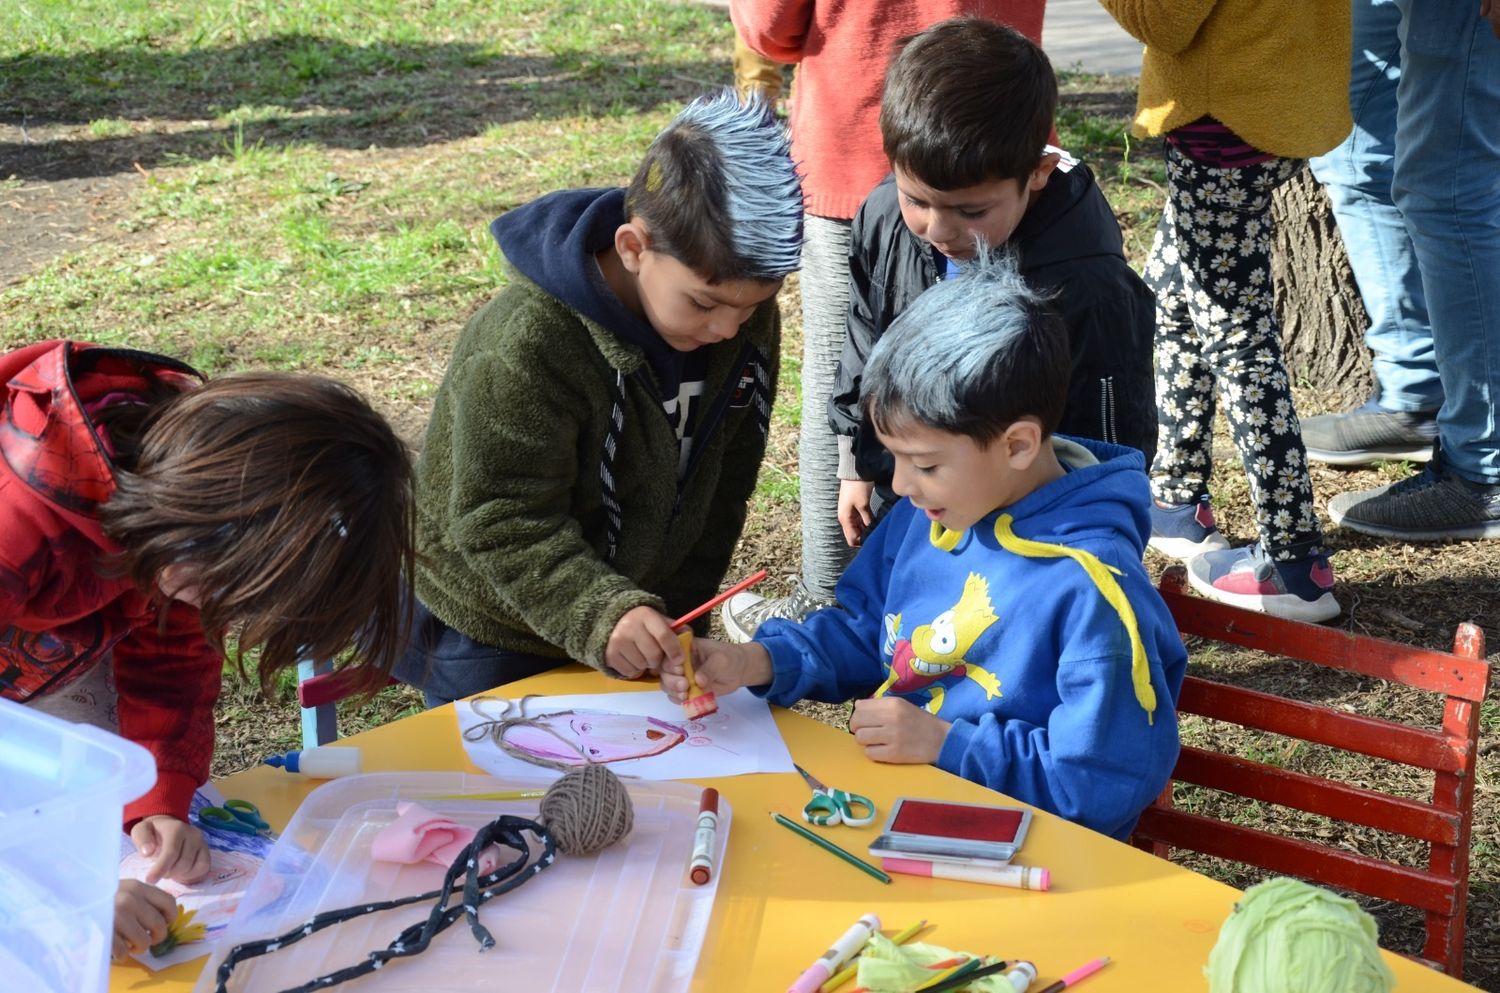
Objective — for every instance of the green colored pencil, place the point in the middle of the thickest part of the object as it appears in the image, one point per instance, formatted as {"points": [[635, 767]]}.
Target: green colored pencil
{"points": [[824, 843]]}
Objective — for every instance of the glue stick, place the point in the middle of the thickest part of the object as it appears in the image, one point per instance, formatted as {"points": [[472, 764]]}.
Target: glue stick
{"points": [[323, 762]]}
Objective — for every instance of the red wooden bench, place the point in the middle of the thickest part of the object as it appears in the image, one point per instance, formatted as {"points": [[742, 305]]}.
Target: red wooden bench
{"points": [[1441, 889]]}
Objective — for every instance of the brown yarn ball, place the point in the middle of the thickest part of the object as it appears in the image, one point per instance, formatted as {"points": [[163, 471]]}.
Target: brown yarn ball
{"points": [[587, 810]]}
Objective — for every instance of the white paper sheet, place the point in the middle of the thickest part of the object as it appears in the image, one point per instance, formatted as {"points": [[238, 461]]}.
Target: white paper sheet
{"points": [[620, 728], [236, 860]]}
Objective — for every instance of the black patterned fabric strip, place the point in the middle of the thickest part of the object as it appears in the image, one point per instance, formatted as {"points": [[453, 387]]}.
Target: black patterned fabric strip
{"points": [[506, 831]]}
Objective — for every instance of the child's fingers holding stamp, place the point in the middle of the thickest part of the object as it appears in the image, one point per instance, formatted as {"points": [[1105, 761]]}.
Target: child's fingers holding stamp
{"points": [[642, 639], [894, 730], [674, 681], [723, 668]]}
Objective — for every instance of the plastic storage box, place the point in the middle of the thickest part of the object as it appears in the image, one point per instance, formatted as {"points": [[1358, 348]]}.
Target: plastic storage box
{"points": [[628, 920], [62, 790]]}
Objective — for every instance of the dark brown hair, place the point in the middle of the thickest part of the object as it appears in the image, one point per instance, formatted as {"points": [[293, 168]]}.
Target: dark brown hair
{"points": [[289, 500], [719, 193], [967, 101]]}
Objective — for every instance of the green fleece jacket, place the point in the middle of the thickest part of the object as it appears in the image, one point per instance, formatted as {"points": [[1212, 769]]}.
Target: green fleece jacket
{"points": [[511, 522]]}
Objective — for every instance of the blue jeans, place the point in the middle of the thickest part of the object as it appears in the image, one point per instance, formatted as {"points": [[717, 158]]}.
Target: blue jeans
{"points": [[1416, 190], [446, 664], [1357, 176]]}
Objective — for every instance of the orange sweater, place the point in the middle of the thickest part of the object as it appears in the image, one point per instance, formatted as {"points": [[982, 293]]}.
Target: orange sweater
{"points": [[841, 48]]}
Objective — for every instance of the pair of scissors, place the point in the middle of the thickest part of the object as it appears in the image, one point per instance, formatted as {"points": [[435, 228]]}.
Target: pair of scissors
{"points": [[237, 817], [831, 806]]}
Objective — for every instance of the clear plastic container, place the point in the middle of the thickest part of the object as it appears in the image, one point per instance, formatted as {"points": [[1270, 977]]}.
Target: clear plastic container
{"points": [[628, 920], [62, 790]]}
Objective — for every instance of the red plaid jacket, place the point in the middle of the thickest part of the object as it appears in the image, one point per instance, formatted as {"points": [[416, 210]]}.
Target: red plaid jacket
{"points": [[60, 613]]}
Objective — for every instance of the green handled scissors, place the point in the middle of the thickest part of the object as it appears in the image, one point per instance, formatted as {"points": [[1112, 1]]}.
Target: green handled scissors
{"points": [[236, 816], [831, 806]]}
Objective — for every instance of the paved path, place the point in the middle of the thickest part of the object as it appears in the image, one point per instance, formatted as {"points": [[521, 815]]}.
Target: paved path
{"points": [[1077, 34], [1080, 34]]}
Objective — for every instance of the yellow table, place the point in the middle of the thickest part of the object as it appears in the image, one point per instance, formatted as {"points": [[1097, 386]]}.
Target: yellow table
{"points": [[782, 901]]}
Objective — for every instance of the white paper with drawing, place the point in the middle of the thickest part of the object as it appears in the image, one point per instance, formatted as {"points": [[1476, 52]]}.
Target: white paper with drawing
{"points": [[236, 860], [638, 734]]}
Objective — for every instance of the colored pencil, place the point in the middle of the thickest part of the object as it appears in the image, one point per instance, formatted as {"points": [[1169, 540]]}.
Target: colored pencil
{"points": [[964, 970], [901, 938], [829, 846], [698, 612], [1080, 973], [958, 982]]}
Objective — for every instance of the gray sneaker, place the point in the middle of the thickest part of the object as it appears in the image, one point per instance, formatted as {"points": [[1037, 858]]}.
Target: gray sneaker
{"points": [[744, 613], [1433, 505], [1369, 434]]}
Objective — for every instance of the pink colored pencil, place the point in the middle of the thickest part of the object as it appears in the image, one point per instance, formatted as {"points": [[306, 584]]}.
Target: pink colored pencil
{"points": [[1077, 975], [698, 612]]}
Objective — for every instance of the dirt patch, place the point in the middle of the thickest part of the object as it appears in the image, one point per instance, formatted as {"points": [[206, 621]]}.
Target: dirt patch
{"points": [[40, 221]]}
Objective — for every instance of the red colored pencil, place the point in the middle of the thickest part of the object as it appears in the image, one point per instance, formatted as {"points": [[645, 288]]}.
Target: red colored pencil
{"points": [[698, 612]]}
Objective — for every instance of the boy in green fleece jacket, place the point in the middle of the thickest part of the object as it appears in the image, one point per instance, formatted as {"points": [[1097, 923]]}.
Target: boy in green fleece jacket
{"points": [[597, 436]]}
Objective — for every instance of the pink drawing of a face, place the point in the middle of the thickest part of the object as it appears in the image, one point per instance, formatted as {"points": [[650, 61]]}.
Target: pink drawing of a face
{"points": [[599, 735]]}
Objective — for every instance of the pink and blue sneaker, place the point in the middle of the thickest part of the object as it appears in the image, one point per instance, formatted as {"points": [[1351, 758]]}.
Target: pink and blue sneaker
{"points": [[1184, 530], [1297, 589]]}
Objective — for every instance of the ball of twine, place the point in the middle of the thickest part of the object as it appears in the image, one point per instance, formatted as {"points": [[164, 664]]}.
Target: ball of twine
{"points": [[587, 810], [1287, 935]]}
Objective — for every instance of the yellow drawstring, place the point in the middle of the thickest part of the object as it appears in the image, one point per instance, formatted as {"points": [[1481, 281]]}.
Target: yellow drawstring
{"points": [[944, 539], [1104, 578]]}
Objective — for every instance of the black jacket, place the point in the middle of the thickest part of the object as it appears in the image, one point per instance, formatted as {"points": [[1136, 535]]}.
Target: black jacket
{"points": [[1070, 249]]}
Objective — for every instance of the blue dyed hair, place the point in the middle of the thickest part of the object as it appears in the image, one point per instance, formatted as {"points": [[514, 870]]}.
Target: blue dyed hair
{"points": [[719, 193], [971, 356]]}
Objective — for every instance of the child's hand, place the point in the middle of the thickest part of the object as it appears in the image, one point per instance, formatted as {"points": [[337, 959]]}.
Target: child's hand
{"points": [[895, 730], [855, 516], [142, 913], [181, 853], [642, 640], [719, 668]]}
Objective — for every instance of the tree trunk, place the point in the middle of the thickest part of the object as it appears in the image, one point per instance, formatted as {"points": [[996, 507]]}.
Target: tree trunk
{"points": [[1322, 318]]}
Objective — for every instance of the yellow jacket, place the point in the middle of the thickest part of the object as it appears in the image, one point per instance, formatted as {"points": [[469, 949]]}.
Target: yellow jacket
{"points": [[1276, 72]]}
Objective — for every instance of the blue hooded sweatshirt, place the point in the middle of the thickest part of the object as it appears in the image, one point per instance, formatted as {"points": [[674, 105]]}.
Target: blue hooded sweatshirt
{"points": [[1036, 634]]}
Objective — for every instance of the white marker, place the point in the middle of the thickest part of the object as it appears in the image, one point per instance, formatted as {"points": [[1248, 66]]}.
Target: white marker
{"points": [[842, 951], [1023, 877]]}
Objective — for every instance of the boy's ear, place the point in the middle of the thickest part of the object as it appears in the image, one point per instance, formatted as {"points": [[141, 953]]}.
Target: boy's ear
{"points": [[1043, 171], [1023, 442], [630, 245]]}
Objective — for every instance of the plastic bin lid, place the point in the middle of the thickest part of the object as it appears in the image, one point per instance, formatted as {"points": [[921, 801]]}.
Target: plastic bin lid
{"points": [[48, 763]]}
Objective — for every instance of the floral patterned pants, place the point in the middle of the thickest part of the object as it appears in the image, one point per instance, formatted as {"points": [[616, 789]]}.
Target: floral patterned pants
{"points": [[1217, 337]]}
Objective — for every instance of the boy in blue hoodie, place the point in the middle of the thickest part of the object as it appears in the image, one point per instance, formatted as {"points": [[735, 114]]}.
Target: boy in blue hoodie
{"points": [[596, 439], [998, 623]]}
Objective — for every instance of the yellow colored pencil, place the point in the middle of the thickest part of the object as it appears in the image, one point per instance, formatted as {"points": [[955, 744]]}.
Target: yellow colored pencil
{"points": [[962, 968], [502, 795], [840, 978]]}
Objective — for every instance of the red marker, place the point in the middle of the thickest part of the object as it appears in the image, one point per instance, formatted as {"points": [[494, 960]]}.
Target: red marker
{"points": [[701, 868]]}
